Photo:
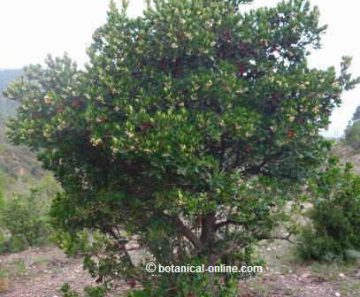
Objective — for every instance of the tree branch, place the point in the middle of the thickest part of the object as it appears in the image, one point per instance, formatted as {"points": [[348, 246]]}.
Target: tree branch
{"points": [[185, 231], [207, 228], [228, 222], [286, 238]]}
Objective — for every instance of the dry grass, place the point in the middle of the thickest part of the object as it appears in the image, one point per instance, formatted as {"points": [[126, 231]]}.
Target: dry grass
{"points": [[4, 284]]}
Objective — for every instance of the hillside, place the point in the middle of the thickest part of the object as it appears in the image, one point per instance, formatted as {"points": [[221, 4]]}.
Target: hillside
{"points": [[18, 166], [348, 154]]}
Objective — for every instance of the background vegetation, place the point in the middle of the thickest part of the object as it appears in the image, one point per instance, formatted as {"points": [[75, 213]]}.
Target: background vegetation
{"points": [[26, 189], [335, 217], [352, 133]]}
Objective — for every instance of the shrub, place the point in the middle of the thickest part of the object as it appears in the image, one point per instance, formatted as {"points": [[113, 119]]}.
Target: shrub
{"points": [[67, 291], [352, 135], [335, 216], [184, 132], [89, 291], [24, 222], [189, 285]]}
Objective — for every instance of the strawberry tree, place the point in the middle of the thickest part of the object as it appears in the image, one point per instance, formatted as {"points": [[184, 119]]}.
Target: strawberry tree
{"points": [[187, 132]]}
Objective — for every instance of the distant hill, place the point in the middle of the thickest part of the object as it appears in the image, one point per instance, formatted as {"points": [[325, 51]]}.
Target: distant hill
{"points": [[7, 107], [18, 165], [8, 75]]}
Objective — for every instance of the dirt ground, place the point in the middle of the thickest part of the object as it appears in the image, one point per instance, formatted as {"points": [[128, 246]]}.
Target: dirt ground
{"points": [[286, 276], [41, 272], [304, 285]]}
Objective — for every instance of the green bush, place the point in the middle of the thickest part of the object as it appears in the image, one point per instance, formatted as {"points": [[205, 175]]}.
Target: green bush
{"points": [[183, 132], [188, 285], [335, 217], [67, 291], [24, 222], [99, 291]]}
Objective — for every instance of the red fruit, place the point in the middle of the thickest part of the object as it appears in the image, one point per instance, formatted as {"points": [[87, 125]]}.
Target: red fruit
{"points": [[241, 69], [227, 36], [163, 64], [290, 134], [242, 46], [76, 103], [102, 119], [144, 127], [301, 121], [177, 71], [248, 148]]}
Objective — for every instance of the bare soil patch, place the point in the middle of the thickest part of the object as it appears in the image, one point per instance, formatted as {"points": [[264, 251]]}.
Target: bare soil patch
{"points": [[40, 272]]}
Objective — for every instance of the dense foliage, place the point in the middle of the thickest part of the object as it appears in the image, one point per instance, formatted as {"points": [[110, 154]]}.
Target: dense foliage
{"points": [[24, 220], [187, 130], [334, 232], [18, 166], [89, 291]]}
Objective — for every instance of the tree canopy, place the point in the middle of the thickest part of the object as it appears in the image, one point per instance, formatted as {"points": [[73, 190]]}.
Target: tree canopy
{"points": [[182, 131]]}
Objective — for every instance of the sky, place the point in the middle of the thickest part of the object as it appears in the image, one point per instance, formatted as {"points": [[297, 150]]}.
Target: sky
{"points": [[31, 29]]}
